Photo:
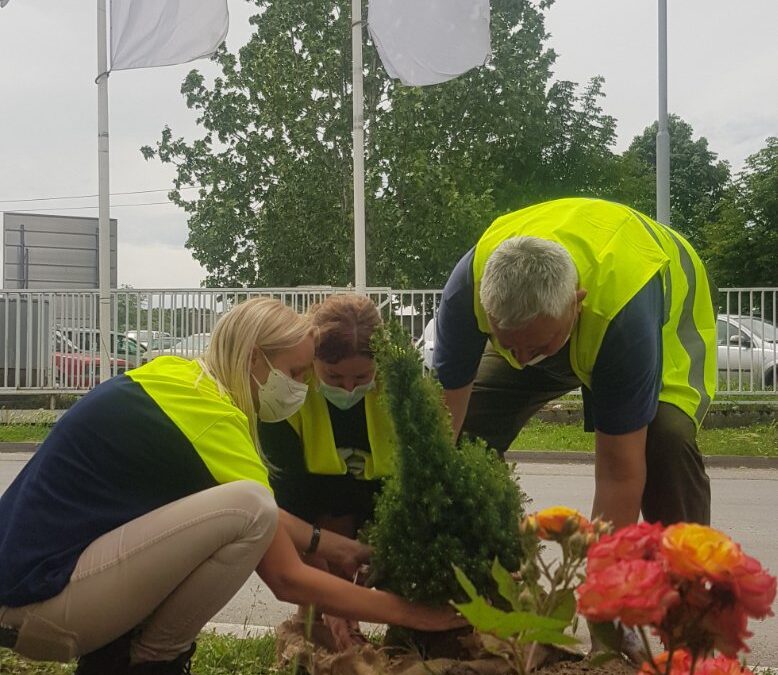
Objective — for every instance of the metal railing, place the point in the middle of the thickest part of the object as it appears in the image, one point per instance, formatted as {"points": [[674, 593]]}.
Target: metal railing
{"points": [[49, 341]]}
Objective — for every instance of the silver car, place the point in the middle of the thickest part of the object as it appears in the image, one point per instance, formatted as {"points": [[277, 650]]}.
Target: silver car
{"points": [[747, 351]]}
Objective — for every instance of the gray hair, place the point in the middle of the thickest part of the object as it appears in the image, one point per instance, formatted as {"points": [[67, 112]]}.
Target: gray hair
{"points": [[526, 277]]}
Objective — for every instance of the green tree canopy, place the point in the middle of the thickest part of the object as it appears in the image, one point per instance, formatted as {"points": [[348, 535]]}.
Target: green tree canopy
{"points": [[697, 179], [274, 162], [741, 245]]}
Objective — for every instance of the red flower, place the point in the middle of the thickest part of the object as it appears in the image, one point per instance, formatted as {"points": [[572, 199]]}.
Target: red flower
{"points": [[637, 592], [682, 664], [634, 542], [754, 587], [722, 665], [727, 627]]}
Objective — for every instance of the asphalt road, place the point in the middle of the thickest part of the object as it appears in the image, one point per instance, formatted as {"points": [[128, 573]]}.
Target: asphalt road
{"points": [[745, 504]]}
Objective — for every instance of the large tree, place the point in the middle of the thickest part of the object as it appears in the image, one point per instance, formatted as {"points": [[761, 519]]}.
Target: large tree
{"points": [[274, 162], [741, 245], [697, 178]]}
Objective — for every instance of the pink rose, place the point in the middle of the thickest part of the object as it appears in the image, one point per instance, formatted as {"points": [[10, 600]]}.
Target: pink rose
{"points": [[637, 592], [634, 542]]}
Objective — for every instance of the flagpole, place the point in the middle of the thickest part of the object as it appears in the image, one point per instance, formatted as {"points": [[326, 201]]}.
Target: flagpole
{"points": [[663, 134], [104, 227], [358, 136]]}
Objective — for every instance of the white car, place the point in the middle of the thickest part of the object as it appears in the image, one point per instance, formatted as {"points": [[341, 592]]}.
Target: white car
{"points": [[747, 349], [191, 346], [426, 344]]}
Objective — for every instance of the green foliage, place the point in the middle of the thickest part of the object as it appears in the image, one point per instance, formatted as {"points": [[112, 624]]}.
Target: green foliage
{"points": [[525, 627], [445, 504], [697, 180], [741, 243], [274, 164]]}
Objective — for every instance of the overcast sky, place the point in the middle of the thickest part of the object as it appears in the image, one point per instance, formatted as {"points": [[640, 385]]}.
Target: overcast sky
{"points": [[723, 80]]}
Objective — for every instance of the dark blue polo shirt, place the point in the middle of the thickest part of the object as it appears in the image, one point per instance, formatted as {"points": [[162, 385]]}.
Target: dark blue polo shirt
{"points": [[627, 375]]}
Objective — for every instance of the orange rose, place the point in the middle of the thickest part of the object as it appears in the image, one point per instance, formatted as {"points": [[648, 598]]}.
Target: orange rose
{"points": [[637, 592], [722, 665], [682, 664], [556, 522], [694, 551]]}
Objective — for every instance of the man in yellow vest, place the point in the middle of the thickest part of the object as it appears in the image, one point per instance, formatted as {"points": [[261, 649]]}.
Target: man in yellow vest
{"points": [[592, 294]]}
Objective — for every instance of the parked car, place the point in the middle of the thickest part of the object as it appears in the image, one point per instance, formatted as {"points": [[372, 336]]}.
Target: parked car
{"points": [[426, 344], [153, 339], [77, 356], [188, 347], [747, 348]]}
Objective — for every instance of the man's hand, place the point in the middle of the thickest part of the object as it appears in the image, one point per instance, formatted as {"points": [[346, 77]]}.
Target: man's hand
{"points": [[620, 476], [456, 401]]}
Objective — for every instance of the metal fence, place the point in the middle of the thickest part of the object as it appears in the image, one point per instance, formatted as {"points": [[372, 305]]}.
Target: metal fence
{"points": [[49, 341]]}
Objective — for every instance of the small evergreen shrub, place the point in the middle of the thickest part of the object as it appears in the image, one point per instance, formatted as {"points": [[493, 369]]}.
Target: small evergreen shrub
{"points": [[446, 505]]}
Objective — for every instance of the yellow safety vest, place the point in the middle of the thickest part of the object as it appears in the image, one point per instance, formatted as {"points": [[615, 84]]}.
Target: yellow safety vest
{"points": [[616, 251], [314, 427], [216, 428]]}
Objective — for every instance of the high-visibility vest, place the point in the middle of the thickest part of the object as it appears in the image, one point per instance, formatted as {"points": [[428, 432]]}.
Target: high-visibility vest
{"points": [[216, 428], [313, 425], [616, 251]]}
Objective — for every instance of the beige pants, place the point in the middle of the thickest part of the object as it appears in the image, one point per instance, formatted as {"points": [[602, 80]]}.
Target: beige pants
{"points": [[168, 571]]}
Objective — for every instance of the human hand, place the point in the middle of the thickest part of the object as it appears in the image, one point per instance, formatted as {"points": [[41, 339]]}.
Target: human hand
{"points": [[434, 619], [351, 556]]}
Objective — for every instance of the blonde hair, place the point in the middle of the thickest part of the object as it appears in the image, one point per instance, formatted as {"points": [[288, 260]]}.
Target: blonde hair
{"points": [[345, 323], [262, 323]]}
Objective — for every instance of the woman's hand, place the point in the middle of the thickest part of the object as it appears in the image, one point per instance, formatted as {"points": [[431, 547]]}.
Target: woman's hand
{"points": [[435, 618], [348, 555]]}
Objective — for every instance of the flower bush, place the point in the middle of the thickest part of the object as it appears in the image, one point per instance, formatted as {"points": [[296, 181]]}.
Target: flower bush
{"points": [[691, 584], [540, 596]]}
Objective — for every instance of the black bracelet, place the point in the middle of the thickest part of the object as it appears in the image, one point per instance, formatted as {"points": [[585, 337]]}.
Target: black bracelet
{"points": [[315, 536]]}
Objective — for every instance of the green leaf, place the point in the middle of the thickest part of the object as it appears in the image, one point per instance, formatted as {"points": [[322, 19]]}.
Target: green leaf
{"points": [[603, 658], [506, 586], [608, 633], [466, 584], [489, 619], [564, 606]]}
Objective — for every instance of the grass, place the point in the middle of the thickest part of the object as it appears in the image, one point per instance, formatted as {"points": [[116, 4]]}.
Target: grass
{"points": [[20, 433], [215, 655], [758, 440]]}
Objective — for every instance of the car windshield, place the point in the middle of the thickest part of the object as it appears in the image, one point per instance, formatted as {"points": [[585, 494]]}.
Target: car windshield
{"points": [[761, 328]]}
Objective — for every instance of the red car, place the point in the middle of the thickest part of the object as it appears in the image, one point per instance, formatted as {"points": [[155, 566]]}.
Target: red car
{"points": [[77, 357]]}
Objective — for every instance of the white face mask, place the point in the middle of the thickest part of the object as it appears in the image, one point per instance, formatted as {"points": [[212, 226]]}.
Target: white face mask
{"points": [[342, 398], [540, 357], [280, 397]]}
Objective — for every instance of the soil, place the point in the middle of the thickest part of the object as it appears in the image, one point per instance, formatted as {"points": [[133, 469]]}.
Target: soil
{"points": [[318, 656]]}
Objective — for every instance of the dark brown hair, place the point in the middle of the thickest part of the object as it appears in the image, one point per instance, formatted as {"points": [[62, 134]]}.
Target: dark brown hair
{"points": [[345, 325]]}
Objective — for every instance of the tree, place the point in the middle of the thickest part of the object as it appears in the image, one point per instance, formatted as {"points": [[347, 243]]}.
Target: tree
{"points": [[741, 245], [274, 163], [697, 180]]}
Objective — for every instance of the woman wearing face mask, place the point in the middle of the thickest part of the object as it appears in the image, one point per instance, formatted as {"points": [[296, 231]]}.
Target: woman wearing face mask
{"points": [[331, 455], [148, 506]]}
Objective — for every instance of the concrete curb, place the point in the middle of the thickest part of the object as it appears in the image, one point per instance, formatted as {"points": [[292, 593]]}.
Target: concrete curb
{"points": [[565, 457], [534, 457]]}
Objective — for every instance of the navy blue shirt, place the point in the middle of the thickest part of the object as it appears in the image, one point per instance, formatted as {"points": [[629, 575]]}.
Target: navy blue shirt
{"points": [[626, 377], [114, 456]]}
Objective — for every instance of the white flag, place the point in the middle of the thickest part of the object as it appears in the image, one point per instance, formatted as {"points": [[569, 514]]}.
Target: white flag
{"points": [[429, 41], [147, 33]]}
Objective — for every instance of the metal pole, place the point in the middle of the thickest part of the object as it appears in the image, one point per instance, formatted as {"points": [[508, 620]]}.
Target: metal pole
{"points": [[663, 135], [358, 135], [104, 228]]}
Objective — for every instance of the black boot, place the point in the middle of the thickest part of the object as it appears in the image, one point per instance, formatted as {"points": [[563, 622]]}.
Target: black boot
{"points": [[113, 658], [181, 665]]}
